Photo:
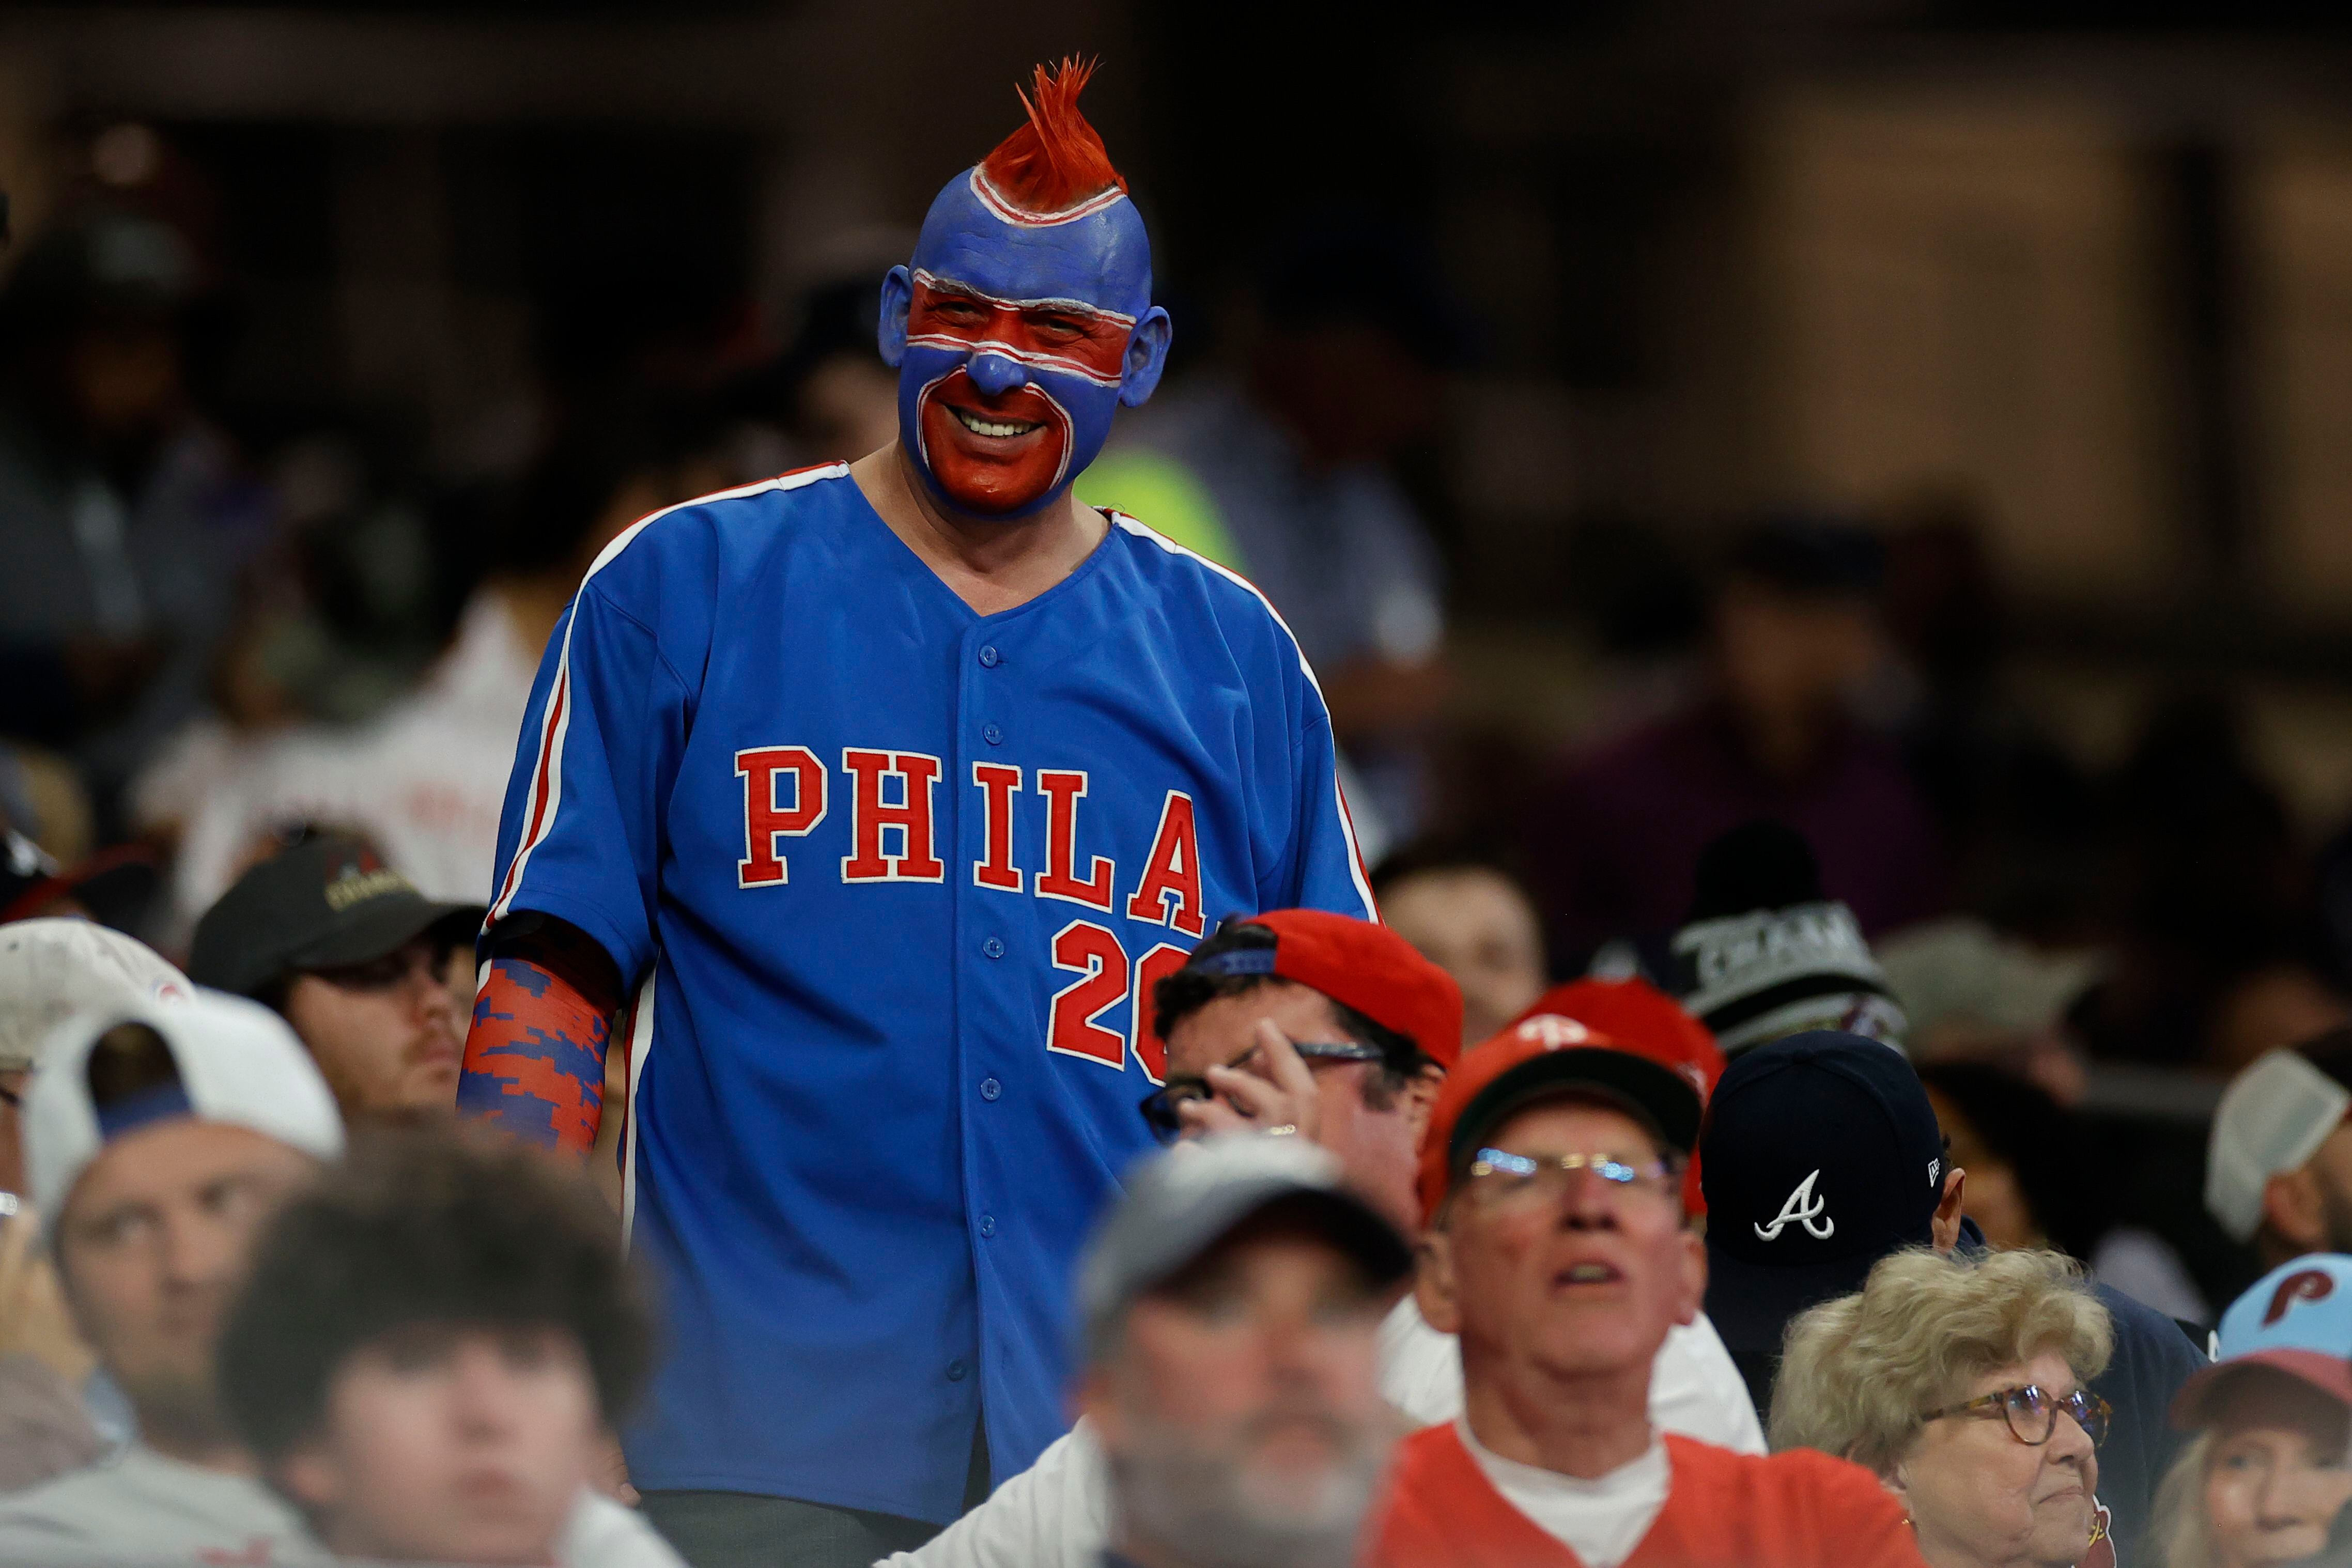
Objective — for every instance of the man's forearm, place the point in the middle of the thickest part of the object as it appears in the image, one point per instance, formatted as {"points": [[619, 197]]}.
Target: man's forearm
{"points": [[535, 1054]]}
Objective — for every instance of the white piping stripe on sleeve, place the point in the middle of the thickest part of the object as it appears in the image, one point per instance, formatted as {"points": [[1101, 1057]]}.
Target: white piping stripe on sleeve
{"points": [[641, 1043], [547, 767], [1339, 795]]}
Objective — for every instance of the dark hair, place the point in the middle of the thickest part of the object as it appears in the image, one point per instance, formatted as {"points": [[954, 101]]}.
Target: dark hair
{"points": [[1179, 995], [2021, 1126], [1759, 864], [1808, 556], [1442, 854], [129, 1060], [597, 451], [426, 1228], [2331, 1052]]}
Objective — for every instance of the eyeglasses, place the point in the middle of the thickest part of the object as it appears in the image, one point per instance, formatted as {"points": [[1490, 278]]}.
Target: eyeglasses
{"points": [[2031, 1411], [1159, 1107], [1500, 1176]]}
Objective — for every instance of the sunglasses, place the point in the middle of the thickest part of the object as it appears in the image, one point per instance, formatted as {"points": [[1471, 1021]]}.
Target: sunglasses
{"points": [[1161, 1106], [2031, 1411], [392, 971]]}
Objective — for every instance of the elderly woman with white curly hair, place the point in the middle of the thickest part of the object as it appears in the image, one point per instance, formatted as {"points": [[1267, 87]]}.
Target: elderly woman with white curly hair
{"points": [[1960, 1381]]}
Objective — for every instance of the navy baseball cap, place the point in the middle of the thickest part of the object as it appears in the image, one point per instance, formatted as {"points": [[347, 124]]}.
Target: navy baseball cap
{"points": [[1820, 1156]]}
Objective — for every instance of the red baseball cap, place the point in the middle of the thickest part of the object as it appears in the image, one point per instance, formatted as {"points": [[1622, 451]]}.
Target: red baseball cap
{"points": [[1643, 1019], [1540, 1058], [1358, 965], [1638, 1017]]}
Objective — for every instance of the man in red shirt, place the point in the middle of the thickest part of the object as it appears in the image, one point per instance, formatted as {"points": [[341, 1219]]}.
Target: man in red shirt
{"points": [[1557, 1251]]}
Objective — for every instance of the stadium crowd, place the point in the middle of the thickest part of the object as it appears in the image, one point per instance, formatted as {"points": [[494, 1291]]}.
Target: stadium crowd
{"points": [[1698, 1163]]}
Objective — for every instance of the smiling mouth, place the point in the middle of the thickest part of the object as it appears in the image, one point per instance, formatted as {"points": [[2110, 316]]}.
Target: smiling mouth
{"points": [[1587, 1274], [979, 424]]}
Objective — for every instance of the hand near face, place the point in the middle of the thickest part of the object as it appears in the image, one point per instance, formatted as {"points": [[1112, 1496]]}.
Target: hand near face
{"points": [[33, 1317], [1272, 1089]]}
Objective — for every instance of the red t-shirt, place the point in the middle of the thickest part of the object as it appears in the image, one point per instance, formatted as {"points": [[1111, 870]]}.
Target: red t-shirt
{"points": [[1797, 1510]]}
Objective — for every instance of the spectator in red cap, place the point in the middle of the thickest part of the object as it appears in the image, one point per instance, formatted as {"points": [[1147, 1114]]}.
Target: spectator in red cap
{"points": [[1255, 1024], [1558, 1252], [1272, 1016], [1638, 1017]]}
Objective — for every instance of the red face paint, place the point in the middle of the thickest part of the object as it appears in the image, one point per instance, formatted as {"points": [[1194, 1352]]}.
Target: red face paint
{"points": [[983, 473], [1072, 354], [1049, 337]]}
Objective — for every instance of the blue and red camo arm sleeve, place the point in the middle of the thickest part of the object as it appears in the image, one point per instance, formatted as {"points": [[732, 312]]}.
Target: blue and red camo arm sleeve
{"points": [[542, 1019]]}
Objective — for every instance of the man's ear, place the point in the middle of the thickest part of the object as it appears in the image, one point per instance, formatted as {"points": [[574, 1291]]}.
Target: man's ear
{"points": [[898, 300], [1434, 1289], [1147, 357], [1421, 1099], [2291, 1207], [1944, 1232]]}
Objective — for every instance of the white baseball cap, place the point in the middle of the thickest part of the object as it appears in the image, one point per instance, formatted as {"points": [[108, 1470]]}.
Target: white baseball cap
{"points": [[237, 1061], [54, 967], [2273, 1118]]}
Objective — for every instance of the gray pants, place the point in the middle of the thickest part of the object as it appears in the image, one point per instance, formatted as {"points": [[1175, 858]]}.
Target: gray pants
{"points": [[746, 1529], [743, 1530]]}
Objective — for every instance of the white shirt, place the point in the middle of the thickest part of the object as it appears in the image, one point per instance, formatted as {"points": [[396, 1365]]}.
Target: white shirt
{"points": [[1056, 1513], [144, 1506], [1601, 1521], [425, 780]]}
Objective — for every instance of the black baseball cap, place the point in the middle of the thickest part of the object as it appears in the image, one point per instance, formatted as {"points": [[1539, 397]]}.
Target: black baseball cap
{"points": [[1820, 1156], [325, 903], [114, 887]]}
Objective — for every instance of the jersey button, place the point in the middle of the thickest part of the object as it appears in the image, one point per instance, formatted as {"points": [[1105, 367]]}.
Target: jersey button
{"points": [[993, 735], [989, 1089], [988, 1225], [955, 1371], [993, 947], [989, 655]]}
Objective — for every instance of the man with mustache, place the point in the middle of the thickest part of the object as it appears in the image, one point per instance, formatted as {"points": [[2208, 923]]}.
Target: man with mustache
{"points": [[1232, 1308], [347, 951], [887, 790], [1557, 1251], [1272, 1023]]}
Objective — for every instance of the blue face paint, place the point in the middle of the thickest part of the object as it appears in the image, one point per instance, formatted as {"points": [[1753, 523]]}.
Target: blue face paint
{"points": [[1015, 338]]}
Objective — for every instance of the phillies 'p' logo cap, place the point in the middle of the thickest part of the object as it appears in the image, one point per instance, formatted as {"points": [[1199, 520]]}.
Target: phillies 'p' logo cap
{"points": [[2295, 1320]]}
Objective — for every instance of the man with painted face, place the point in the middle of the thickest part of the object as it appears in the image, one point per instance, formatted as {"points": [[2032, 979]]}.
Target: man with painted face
{"points": [[887, 790]]}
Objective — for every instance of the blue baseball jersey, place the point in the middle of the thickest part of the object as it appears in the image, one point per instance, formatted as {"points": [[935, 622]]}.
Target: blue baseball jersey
{"points": [[894, 880]]}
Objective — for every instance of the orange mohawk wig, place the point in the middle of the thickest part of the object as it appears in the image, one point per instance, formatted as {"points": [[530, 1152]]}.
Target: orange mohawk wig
{"points": [[1054, 168]]}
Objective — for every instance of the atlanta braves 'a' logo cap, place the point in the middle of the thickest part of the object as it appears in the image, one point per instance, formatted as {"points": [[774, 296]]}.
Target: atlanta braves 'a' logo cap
{"points": [[1821, 1156]]}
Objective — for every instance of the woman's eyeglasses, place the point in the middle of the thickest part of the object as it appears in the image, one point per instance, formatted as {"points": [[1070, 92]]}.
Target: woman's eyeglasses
{"points": [[2031, 1411], [1161, 1106]]}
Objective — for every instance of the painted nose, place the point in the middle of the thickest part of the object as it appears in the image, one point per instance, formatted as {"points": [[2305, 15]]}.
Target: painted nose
{"points": [[995, 375]]}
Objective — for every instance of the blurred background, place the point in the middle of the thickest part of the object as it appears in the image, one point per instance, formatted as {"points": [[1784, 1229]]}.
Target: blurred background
{"points": [[1927, 423]]}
